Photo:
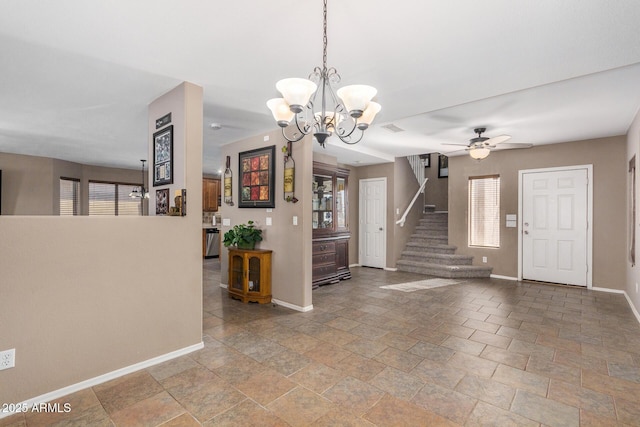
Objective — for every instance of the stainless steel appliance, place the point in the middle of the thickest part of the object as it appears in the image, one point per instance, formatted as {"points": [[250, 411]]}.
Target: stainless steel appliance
{"points": [[212, 243]]}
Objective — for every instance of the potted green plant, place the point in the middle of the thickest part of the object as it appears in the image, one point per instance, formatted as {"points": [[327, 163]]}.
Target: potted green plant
{"points": [[243, 236]]}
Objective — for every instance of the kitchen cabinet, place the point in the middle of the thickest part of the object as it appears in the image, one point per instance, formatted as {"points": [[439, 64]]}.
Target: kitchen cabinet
{"points": [[329, 220], [210, 194], [250, 275]]}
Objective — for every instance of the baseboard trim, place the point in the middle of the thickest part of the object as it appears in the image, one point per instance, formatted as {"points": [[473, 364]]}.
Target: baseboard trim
{"points": [[354, 265], [292, 306], [56, 394], [390, 269], [626, 295], [498, 276], [222, 285]]}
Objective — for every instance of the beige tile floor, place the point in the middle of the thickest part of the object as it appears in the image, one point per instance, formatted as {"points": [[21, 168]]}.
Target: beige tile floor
{"points": [[483, 352]]}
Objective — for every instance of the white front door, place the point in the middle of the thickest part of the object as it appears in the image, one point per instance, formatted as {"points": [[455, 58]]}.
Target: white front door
{"points": [[555, 212], [373, 208]]}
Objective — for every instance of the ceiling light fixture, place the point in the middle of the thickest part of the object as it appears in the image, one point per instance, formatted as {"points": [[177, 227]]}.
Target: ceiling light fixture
{"points": [[140, 192], [353, 110], [479, 153]]}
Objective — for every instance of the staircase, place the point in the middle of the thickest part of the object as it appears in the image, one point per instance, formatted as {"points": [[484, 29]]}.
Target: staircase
{"points": [[428, 252]]}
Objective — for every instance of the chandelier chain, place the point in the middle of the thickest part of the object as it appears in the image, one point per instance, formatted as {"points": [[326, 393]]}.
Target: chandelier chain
{"points": [[324, 38]]}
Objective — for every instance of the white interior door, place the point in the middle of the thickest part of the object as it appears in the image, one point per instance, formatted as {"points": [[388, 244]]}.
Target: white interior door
{"points": [[555, 239], [373, 207]]}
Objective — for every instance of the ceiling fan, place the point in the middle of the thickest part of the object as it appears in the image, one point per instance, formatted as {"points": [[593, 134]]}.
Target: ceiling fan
{"points": [[480, 146]]}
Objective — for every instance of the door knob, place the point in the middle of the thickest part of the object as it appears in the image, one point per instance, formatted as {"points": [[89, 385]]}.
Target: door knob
{"points": [[380, 228], [526, 232]]}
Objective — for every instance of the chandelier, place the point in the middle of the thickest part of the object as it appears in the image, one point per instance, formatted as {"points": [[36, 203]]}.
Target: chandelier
{"points": [[140, 192], [312, 105]]}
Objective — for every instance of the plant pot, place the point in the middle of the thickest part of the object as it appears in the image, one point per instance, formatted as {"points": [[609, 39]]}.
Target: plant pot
{"points": [[250, 245]]}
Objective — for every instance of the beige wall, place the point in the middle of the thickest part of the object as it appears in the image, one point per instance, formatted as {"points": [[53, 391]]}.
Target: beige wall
{"points": [[26, 185], [633, 272], [291, 244], [608, 157], [31, 184], [437, 189], [85, 296]]}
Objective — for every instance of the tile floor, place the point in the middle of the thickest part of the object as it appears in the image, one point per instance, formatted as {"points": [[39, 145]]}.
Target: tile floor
{"points": [[483, 352]]}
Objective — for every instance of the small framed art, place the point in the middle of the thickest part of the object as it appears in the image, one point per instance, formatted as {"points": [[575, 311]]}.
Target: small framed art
{"points": [[162, 201], [443, 166], [163, 157]]}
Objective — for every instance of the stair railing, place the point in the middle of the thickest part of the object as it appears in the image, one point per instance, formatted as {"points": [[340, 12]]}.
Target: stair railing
{"points": [[402, 219], [417, 166]]}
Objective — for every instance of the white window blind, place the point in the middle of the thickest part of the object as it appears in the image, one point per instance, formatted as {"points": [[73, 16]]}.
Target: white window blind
{"points": [[69, 196], [484, 211], [108, 198]]}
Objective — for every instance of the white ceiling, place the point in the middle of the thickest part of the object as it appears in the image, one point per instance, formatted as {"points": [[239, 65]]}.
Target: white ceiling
{"points": [[76, 76]]}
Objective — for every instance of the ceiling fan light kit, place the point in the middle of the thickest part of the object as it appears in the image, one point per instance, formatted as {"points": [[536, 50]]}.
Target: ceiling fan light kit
{"points": [[479, 153], [305, 102]]}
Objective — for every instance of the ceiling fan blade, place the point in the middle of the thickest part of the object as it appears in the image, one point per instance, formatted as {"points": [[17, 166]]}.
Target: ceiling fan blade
{"points": [[513, 145], [449, 153], [497, 139], [459, 145]]}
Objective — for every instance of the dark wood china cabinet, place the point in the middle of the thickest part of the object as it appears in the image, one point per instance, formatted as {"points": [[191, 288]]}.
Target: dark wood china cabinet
{"points": [[330, 213]]}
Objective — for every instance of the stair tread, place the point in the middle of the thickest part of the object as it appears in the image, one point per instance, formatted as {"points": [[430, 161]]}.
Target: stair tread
{"points": [[437, 255], [443, 266]]}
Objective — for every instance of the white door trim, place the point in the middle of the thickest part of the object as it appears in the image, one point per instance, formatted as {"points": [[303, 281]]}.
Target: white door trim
{"points": [[589, 169], [384, 218]]}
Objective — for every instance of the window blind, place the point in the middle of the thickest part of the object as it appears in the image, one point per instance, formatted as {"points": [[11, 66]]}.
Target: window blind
{"points": [[69, 196], [484, 211], [108, 198]]}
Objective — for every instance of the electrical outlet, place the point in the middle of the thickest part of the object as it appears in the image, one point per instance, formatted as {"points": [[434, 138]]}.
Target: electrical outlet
{"points": [[484, 259], [7, 359]]}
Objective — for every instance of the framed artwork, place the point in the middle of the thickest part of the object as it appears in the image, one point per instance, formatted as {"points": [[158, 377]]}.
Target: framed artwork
{"points": [[163, 157], [257, 179], [162, 201], [426, 158], [443, 166]]}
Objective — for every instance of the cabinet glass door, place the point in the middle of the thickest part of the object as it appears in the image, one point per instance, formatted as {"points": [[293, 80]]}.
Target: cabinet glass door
{"points": [[341, 203], [254, 274], [322, 201], [237, 273]]}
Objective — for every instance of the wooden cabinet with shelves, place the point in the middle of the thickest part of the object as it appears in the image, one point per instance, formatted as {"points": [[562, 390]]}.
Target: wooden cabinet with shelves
{"points": [[330, 225], [210, 194], [250, 275]]}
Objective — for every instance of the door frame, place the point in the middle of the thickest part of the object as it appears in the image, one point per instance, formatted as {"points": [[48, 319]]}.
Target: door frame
{"points": [[589, 242], [384, 218]]}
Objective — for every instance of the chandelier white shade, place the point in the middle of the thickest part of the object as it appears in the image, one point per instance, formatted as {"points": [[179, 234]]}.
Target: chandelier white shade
{"points": [[368, 115], [356, 98], [312, 106], [296, 92]]}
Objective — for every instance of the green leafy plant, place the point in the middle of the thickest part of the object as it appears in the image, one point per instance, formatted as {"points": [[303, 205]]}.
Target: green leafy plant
{"points": [[244, 236]]}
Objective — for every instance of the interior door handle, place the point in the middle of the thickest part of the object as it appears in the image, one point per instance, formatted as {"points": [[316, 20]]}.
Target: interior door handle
{"points": [[526, 232], [380, 228]]}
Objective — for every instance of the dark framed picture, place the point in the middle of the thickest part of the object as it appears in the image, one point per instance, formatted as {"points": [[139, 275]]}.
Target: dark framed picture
{"points": [[163, 157], [426, 159], [257, 178], [443, 166], [162, 201]]}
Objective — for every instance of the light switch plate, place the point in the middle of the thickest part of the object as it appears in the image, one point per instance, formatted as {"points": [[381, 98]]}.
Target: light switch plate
{"points": [[226, 222], [269, 222], [295, 220]]}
